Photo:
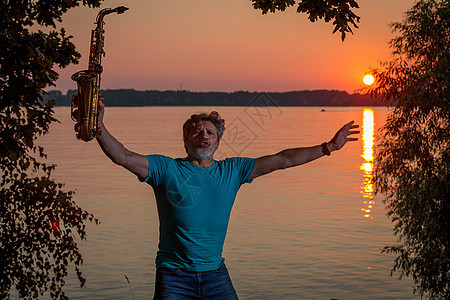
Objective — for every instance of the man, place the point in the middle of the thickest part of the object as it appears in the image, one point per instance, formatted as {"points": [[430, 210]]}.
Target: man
{"points": [[194, 197]]}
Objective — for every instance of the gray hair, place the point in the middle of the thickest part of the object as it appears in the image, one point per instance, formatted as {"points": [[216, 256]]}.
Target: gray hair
{"points": [[213, 117]]}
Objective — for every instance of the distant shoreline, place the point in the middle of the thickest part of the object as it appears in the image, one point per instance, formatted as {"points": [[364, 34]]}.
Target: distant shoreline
{"points": [[133, 98]]}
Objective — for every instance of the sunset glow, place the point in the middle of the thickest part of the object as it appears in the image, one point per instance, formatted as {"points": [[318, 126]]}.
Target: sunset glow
{"points": [[164, 45]]}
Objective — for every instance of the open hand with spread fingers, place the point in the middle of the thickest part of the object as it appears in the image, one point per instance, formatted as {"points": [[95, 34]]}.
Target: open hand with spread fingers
{"points": [[343, 136]]}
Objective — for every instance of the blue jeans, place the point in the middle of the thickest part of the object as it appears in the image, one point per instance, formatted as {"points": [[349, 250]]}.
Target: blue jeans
{"points": [[176, 284]]}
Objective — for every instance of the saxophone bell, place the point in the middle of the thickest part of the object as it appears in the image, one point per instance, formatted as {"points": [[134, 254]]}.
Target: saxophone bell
{"points": [[84, 105]]}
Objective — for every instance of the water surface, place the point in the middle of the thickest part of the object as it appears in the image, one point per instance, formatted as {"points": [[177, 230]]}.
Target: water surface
{"points": [[309, 232]]}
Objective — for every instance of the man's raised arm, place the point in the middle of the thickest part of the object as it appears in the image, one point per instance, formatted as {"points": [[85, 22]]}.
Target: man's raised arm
{"points": [[298, 156], [134, 162]]}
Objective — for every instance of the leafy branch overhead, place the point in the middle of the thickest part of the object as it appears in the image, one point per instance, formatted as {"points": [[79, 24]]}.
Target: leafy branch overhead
{"points": [[338, 11]]}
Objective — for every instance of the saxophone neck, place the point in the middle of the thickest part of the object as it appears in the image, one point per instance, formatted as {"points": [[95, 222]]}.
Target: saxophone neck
{"points": [[119, 10], [96, 51]]}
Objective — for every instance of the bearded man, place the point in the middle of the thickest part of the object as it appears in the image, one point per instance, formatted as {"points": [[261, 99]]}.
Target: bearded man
{"points": [[195, 196]]}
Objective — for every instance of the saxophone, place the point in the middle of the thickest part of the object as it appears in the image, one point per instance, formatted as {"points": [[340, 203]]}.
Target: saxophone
{"points": [[84, 106]]}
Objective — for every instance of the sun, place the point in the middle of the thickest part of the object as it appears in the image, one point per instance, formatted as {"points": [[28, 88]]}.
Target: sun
{"points": [[368, 79]]}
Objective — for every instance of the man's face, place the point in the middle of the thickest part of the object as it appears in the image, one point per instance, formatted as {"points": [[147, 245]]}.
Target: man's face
{"points": [[202, 140]]}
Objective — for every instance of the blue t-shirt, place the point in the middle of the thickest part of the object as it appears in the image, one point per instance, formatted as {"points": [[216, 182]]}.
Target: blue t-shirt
{"points": [[194, 206]]}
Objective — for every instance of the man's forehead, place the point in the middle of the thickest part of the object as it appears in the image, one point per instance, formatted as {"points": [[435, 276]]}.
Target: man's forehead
{"points": [[204, 123]]}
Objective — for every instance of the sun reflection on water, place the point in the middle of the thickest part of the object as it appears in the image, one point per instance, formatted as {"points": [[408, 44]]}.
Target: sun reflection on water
{"points": [[367, 165]]}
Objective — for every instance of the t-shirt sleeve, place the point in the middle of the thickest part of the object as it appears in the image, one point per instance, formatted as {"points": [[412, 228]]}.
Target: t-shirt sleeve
{"points": [[157, 167], [245, 166]]}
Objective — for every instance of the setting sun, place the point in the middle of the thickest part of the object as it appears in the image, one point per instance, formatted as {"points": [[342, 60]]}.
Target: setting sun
{"points": [[368, 79]]}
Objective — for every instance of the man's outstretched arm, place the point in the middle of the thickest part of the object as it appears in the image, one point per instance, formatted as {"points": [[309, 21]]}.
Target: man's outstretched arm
{"points": [[298, 156], [134, 162]]}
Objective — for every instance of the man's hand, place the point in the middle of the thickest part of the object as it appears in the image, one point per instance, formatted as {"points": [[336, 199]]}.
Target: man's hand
{"points": [[343, 136]]}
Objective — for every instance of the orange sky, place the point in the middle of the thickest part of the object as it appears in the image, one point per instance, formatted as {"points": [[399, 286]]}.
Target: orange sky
{"points": [[206, 45]]}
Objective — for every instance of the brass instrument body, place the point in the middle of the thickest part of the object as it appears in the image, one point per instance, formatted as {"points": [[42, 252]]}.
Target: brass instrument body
{"points": [[84, 106]]}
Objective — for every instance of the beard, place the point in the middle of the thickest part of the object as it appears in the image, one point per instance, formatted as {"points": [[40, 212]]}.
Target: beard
{"points": [[202, 153]]}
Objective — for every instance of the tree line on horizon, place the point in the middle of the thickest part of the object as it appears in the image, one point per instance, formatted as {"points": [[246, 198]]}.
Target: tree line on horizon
{"points": [[131, 97]]}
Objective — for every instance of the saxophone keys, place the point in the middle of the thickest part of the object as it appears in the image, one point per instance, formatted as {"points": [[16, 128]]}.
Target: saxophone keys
{"points": [[76, 115], [76, 100], [77, 128]]}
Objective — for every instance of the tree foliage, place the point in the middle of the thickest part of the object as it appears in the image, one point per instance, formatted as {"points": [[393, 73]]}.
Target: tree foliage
{"points": [[338, 11], [413, 158], [39, 222]]}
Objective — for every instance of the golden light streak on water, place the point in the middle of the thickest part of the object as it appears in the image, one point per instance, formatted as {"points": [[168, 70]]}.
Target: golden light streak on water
{"points": [[367, 165], [368, 133]]}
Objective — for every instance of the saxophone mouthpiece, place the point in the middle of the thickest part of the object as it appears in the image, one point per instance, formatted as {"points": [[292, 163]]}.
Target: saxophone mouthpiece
{"points": [[121, 9]]}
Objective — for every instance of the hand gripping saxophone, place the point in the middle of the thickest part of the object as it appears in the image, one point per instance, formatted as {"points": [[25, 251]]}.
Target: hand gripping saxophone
{"points": [[84, 108]]}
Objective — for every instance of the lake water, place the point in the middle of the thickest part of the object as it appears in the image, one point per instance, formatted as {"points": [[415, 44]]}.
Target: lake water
{"points": [[309, 232]]}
